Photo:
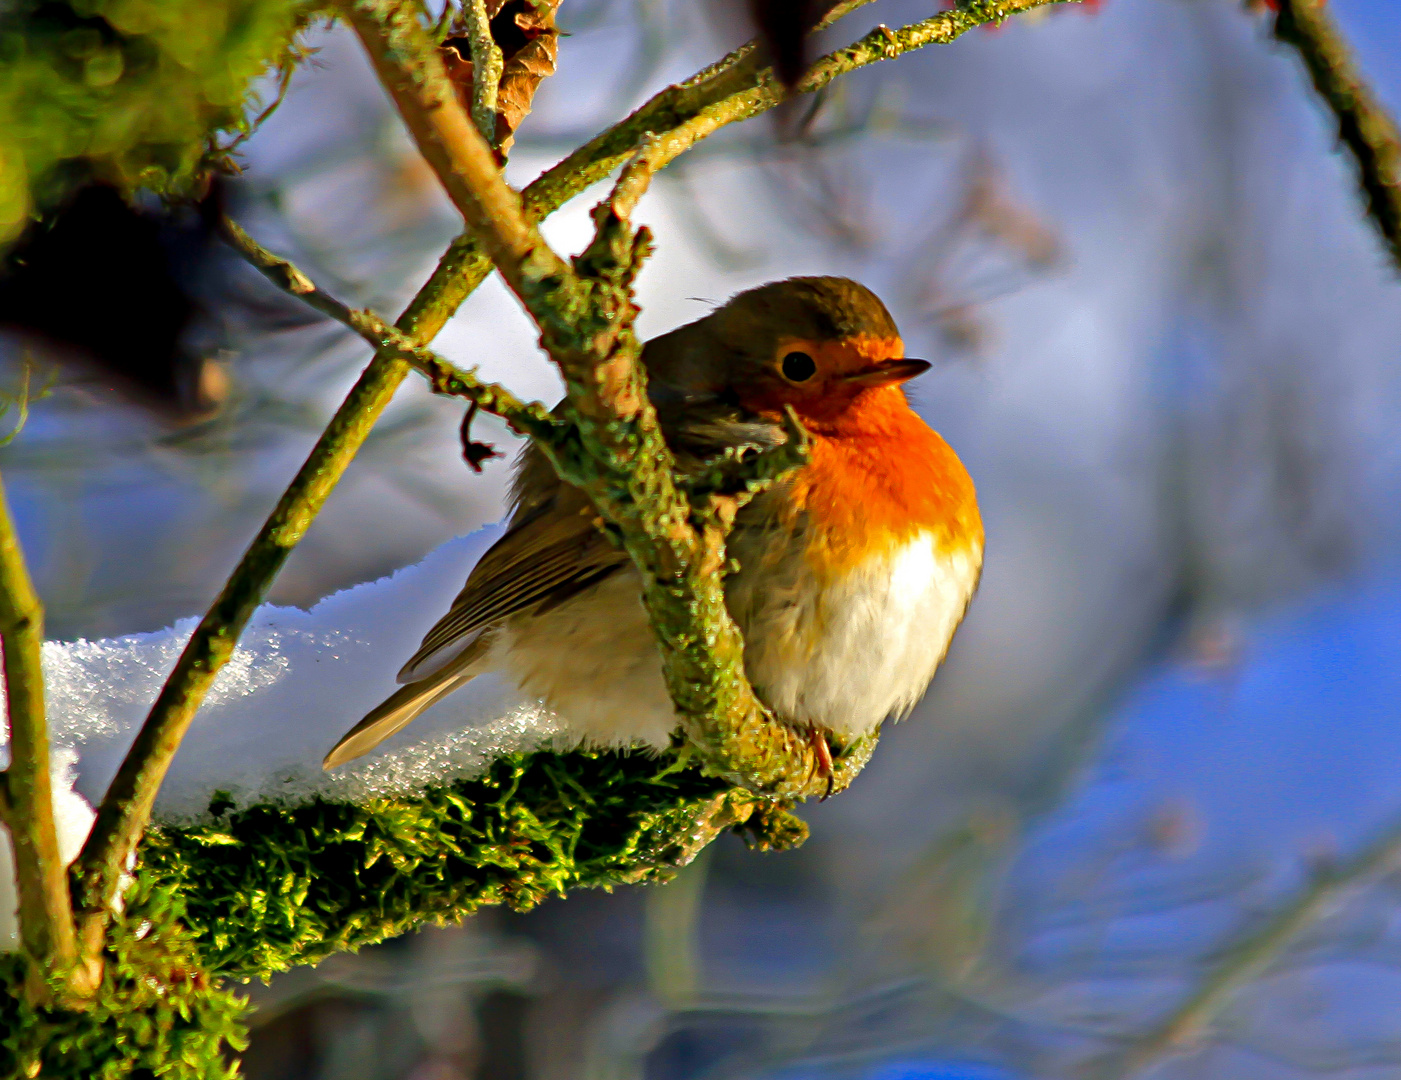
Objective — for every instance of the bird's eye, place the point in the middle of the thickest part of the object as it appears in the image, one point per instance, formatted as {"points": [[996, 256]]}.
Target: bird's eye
{"points": [[799, 367]]}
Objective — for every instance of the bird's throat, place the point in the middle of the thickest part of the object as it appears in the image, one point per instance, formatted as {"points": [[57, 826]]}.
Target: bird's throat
{"points": [[878, 477]]}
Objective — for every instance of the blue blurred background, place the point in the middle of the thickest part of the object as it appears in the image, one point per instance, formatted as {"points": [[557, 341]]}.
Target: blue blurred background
{"points": [[1143, 823]]}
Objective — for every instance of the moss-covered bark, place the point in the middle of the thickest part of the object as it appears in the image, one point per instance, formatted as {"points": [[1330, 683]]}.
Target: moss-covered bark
{"points": [[157, 1011], [269, 887], [253, 892]]}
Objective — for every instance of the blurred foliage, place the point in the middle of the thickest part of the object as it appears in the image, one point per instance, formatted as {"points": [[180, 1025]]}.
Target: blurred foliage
{"points": [[157, 1013], [130, 92]]}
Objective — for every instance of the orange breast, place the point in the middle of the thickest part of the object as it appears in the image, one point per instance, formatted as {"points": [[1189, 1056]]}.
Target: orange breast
{"points": [[879, 476]]}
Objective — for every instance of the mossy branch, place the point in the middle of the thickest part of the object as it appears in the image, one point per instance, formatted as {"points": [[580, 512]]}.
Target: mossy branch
{"points": [[273, 886], [1364, 126], [46, 915]]}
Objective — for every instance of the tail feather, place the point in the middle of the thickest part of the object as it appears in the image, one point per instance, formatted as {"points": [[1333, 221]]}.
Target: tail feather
{"points": [[400, 707]]}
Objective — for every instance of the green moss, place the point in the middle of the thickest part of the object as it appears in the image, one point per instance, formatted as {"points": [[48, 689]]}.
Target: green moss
{"points": [[127, 91], [157, 1013], [255, 891], [268, 887]]}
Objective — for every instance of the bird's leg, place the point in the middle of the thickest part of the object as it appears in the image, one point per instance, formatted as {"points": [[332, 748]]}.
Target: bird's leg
{"points": [[823, 752]]}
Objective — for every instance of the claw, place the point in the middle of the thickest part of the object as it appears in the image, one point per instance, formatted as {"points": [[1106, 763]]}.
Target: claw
{"points": [[818, 739]]}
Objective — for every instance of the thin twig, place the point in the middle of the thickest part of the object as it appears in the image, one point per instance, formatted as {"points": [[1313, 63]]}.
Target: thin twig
{"points": [[284, 83], [1364, 125], [445, 20], [487, 66], [526, 418], [1249, 958], [45, 910]]}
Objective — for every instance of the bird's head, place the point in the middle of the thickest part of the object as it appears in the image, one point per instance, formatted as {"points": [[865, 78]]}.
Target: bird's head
{"points": [[819, 344]]}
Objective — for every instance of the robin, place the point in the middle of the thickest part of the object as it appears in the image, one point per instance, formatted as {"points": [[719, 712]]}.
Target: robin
{"points": [[852, 574]]}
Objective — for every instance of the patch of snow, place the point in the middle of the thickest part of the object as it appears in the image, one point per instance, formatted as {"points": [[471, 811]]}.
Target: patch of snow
{"points": [[297, 682]]}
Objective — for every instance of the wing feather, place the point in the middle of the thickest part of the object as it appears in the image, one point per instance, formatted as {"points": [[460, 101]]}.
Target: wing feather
{"points": [[553, 549], [552, 553]]}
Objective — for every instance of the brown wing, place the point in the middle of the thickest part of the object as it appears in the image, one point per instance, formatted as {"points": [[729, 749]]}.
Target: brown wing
{"points": [[552, 551]]}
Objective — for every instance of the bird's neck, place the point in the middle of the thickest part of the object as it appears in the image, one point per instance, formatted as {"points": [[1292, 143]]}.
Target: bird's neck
{"points": [[878, 477]]}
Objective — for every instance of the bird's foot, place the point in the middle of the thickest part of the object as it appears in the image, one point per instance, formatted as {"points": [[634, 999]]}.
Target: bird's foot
{"points": [[818, 738]]}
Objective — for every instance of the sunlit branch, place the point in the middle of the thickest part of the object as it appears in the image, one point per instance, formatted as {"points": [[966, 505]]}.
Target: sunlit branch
{"points": [[45, 911]]}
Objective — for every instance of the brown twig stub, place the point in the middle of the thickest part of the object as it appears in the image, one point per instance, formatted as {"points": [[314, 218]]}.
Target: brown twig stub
{"points": [[1364, 125], [474, 452]]}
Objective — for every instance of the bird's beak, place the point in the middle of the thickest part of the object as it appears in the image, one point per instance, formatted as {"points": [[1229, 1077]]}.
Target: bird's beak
{"points": [[888, 372]]}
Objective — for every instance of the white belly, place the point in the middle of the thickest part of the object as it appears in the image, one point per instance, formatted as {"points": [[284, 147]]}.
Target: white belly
{"points": [[851, 653], [844, 656]]}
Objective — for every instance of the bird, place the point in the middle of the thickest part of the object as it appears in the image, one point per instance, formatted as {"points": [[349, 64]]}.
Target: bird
{"points": [[847, 579]]}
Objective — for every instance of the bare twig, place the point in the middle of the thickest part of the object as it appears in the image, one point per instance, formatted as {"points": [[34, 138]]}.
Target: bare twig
{"points": [[45, 910], [1249, 958], [526, 418], [487, 65], [1364, 125]]}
